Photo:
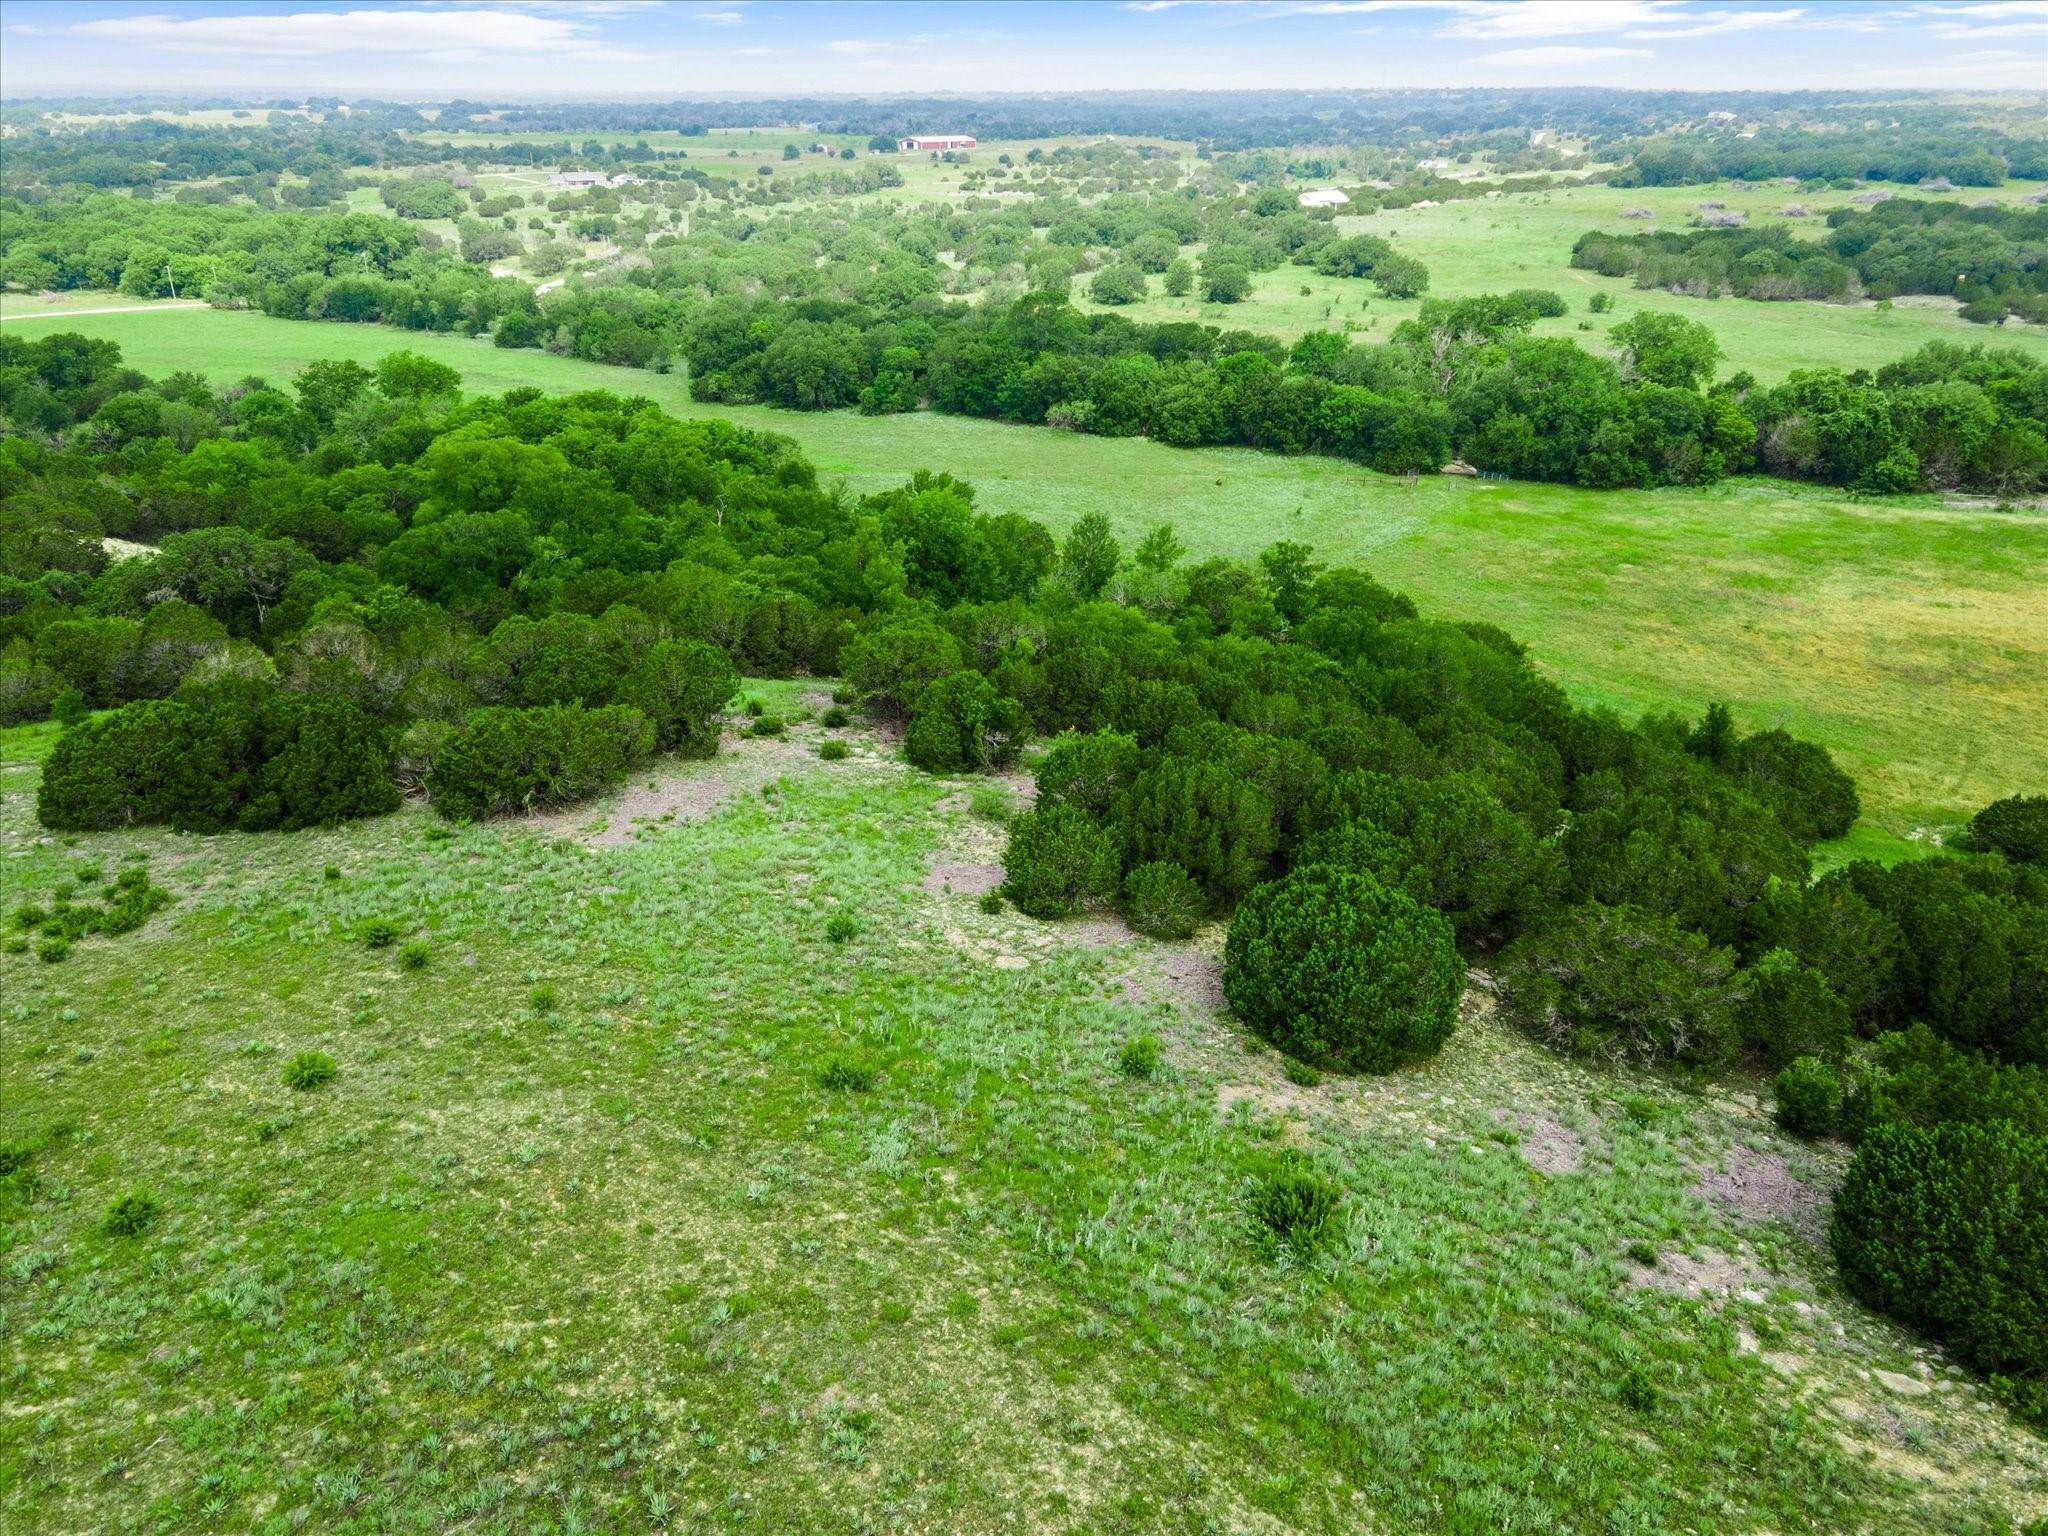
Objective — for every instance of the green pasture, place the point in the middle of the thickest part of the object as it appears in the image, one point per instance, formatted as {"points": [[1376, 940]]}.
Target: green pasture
{"points": [[1492, 245], [1909, 635], [637, 1204]]}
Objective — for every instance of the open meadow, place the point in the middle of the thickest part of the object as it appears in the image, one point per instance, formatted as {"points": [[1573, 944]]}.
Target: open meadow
{"points": [[1524, 240], [1906, 633], [885, 952], [604, 1221]]}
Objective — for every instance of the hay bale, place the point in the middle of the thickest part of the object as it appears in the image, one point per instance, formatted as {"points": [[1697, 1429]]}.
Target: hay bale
{"points": [[1637, 213], [1724, 218]]}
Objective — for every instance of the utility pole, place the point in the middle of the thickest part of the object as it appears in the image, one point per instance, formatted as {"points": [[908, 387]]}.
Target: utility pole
{"points": [[169, 278]]}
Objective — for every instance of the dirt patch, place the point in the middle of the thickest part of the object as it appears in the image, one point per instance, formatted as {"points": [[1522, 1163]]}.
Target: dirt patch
{"points": [[1709, 1272], [1189, 979], [1548, 1146], [967, 879], [1760, 1186], [678, 792]]}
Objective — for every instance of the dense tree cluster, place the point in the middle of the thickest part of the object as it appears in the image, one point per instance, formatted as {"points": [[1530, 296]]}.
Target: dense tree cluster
{"points": [[368, 581], [1991, 258]]}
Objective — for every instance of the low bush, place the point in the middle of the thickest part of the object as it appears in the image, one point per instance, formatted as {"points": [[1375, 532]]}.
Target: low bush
{"points": [[682, 688], [1625, 985], [2016, 826], [506, 760], [847, 1074], [1914, 1077], [1140, 1057], [1798, 781], [131, 1214], [415, 955], [1789, 1011], [1295, 1206], [1808, 1097], [960, 724], [835, 717], [1161, 900], [1946, 1228], [379, 932], [308, 1071], [841, 927], [1336, 968], [833, 751], [232, 753], [1057, 860]]}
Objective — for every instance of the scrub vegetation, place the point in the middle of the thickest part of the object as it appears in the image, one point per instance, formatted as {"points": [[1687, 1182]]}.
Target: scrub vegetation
{"points": [[571, 964]]}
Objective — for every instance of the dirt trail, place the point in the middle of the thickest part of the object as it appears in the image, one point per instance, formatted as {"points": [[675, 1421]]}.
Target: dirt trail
{"points": [[109, 309]]}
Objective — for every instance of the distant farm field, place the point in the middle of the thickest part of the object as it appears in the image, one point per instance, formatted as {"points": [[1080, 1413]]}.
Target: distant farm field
{"points": [[1909, 635], [1492, 245]]}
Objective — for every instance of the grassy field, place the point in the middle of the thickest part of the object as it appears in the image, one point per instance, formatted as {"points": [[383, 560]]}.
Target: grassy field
{"points": [[608, 1223], [1908, 635], [1491, 245]]}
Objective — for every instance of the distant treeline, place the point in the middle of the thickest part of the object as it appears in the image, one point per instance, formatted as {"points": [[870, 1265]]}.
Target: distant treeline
{"points": [[1994, 259], [1966, 154]]}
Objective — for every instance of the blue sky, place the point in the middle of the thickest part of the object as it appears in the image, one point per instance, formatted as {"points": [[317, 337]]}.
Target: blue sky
{"points": [[559, 49]]}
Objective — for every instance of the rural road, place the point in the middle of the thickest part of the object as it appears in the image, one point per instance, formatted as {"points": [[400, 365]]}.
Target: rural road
{"points": [[110, 309]]}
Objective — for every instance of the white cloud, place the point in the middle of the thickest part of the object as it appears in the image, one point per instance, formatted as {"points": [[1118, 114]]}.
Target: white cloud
{"points": [[720, 18], [1558, 55], [1707, 23], [1508, 19], [311, 34]]}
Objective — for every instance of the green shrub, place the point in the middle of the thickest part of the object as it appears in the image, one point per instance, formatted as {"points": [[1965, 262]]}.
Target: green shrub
{"points": [[2016, 826], [1798, 782], [309, 1071], [847, 1074], [512, 760], [1789, 1011], [131, 1214], [1300, 1073], [960, 724], [1913, 1076], [1946, 1227], [415, 955], [840, 927], [231, 753], [1161, 900], [1089, 772], [1140, 1057], [15, 1156], [1336, 968], [682, 687], [992, 902], [836, 716], [1206, 818], [379, 932], [1625, 985], [543, 998], [1808, 1095], [1057, 860], [833, 751], [768, 725], [1448, 842], [52, 950], [1294, 1205]]}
